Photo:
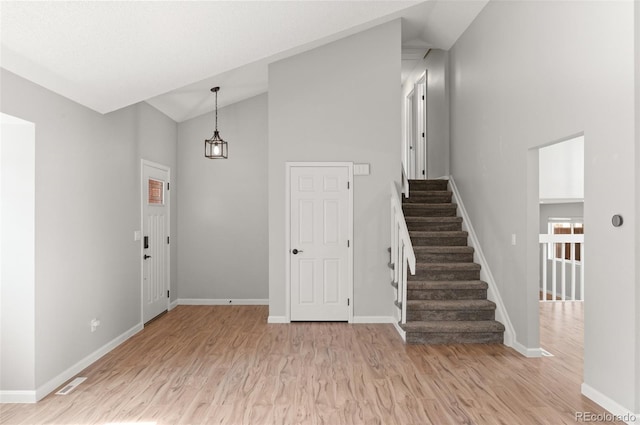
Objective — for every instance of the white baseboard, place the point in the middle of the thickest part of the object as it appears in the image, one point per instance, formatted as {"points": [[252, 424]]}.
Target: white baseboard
{"points": [[525, 351], [373, 319], [173, 304], [619, 412], [356, 319], [18, 397], [401, 331], [222, 301], [54, 383], [485, 271]]}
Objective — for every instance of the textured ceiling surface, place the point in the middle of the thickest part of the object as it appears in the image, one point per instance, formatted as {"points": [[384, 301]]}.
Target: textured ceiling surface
{"points": [[107, 55]]}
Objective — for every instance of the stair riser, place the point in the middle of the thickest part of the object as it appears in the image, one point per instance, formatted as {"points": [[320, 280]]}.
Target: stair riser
{"points": [[411, 210], [428, 185], [439, 241], [434, 227], [428, 199], [436, 315], [455, 338], [447, 294], [445, 275], [444, 258]]}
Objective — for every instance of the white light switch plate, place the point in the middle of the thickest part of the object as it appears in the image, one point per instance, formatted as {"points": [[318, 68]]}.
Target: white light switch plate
{"points": [[360, 169], [136, 235]]}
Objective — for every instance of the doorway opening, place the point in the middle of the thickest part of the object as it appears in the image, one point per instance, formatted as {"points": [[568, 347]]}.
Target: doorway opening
{"points": [[155, 255], [416, 151], [555, 241], [561, 194]]}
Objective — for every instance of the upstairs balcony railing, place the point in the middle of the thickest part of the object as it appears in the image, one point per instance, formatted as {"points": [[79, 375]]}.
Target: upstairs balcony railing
{"points": [[562, 270]]}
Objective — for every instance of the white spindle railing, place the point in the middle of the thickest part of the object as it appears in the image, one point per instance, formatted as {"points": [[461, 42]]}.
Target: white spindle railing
{"points": [[548, 244], [402, 255]]}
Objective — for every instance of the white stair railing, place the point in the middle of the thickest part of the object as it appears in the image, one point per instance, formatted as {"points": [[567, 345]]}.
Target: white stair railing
{"points": [[571, 266], [402, 255]]}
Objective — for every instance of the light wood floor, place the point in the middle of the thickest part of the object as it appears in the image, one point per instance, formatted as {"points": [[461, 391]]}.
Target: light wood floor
{"points": [[226, 365]]}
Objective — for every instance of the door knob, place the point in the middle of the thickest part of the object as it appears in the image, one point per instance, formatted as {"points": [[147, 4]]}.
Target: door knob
{"points": [[146, 256], [295, 251]]}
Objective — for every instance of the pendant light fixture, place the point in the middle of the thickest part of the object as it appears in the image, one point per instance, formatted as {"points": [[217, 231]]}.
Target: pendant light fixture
{"points": [[216, 147]]}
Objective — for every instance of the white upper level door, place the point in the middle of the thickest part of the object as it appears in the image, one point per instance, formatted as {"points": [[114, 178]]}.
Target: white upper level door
{"points": [[420, 122], [319, 243], [155, 248]]}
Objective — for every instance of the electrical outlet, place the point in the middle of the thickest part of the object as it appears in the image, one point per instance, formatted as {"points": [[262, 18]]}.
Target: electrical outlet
{"points": [[94, 324]]}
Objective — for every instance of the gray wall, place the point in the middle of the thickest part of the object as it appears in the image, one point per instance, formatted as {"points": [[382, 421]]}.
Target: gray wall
{"points": [[340, 102], [157, 136], [561, 170], [515, 87], [223, 205], [87, 197], [437, 62], [569, 209]]}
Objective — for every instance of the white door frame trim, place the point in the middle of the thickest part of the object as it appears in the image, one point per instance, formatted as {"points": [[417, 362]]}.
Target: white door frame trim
{"points": [[166, 168], [287, 229]]}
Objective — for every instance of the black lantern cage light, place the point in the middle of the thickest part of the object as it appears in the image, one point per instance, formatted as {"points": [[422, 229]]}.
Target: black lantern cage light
{"points": [[216, 147]]}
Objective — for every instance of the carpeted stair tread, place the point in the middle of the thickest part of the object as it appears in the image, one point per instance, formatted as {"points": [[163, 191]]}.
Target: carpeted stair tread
{"points": [[425, 285], [419, 219], [432, 205], [434, 223], [447, 266], [444, 249], [453, 326], [425, 209], [443, 254], [428, 185], [451, 305], [429, 197], [438, 234], [438, 238]]}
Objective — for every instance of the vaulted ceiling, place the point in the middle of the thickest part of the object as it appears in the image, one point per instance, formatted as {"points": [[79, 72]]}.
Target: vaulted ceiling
{"points": [[107, 55]]}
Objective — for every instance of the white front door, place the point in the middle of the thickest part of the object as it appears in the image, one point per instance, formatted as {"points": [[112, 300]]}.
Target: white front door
{"points": [[319, 242], [155, 242]]}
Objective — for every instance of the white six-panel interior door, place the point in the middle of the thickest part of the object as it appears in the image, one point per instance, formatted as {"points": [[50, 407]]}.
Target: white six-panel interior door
{"points": [[319, 241], [155, 241]]}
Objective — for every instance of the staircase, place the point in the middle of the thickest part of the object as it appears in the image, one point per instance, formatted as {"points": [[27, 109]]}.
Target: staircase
{"points": [[446, 300]]}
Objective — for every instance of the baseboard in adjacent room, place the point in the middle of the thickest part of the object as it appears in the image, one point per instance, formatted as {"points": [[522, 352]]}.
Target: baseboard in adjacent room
{"points": [[525, 351], [222, 301], [18, 397], [373, 319], [277, 319], [619, 412]]}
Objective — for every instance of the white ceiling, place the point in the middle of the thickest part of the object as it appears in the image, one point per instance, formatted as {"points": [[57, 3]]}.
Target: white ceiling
{"points": [[108, 55]]}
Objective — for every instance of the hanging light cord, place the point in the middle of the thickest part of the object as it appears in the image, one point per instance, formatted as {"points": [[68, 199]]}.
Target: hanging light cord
{"points": [[216, 111]]}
